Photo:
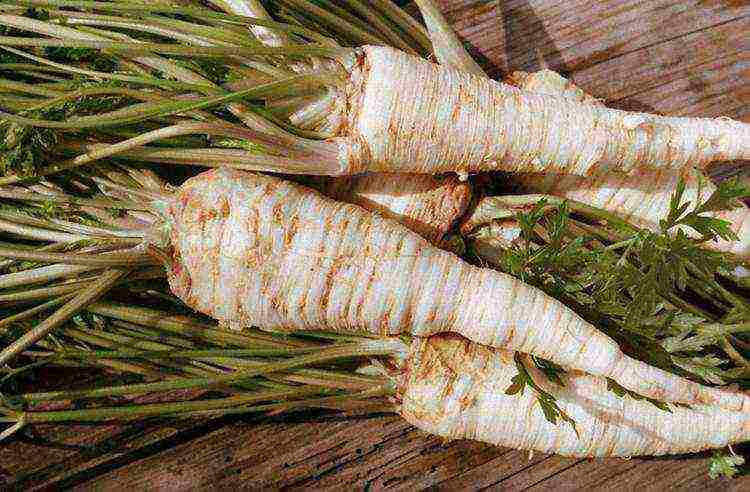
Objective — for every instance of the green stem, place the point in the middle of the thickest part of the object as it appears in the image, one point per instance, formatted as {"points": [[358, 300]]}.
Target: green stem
{"points": [[327, 378], [38, 233], [116, 342], [171, 107], [203, 14], [30, 313], [366, 348], [72, 200], [325, 402], [381, 26], [49, 80], [502, 207], [44, 224], [132, 412], [733, 299], [273, 143], [47, 292], [687, 306], [733, 353], [17, 426], [620, 244], [718, 329], [181, 31], [101, 261], [319, 377], [184, 354], [176, 49], [33, 89], [217, 157], [97, 288], [448, 48], [41, 274], [405, 22], [332, 379], [148, 81], [188, 328], [336, 18]]}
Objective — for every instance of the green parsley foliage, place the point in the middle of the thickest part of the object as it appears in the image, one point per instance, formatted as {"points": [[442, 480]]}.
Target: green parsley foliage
{"points": [[620, 391], [23, 149], [662, 296], [550, 408], [724, 465], [726, 197]]}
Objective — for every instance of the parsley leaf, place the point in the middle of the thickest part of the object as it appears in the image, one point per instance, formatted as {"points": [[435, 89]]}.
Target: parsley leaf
{"points": [[664, 297], [724, 465], [550, 408]]}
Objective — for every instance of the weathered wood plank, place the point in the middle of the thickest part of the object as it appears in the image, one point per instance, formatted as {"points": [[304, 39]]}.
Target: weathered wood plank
{"points": [[381, 452], [573, 35], [657, 474], [257, 455], [58, 460], [680, 58], [584, 475], [699, 74], [535, 474]]}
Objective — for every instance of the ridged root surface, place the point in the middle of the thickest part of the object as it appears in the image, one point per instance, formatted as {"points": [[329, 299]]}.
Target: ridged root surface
{"points": [[454, 388], [254, 250], [409, 115], [643, 196], [428, 205]]}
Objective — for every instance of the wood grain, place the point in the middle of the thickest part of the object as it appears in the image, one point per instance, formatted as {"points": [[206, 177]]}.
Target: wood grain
{"points": [[682, 58], [687, 57]]}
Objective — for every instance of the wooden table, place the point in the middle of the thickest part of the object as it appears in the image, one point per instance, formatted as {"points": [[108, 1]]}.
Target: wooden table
{"points": [[682, 57]]}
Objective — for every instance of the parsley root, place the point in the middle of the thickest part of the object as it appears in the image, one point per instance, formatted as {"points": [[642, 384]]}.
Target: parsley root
{"points": [[426, 204], [409, 115], [552, 83], [254, 250], [458, 389], [641, 197], [388, 111]]}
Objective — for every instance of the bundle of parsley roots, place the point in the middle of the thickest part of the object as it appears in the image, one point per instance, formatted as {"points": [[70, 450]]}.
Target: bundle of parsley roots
{"points": [[479, 308]]}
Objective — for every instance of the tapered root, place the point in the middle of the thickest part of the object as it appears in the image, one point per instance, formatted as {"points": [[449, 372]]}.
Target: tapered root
{"points": [[428, 205], [499, 311], [457, 389], [409, 115], [643, 197], [253, 250], [550, 82]]}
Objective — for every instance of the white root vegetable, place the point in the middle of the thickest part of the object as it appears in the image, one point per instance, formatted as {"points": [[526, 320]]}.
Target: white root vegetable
{"points": [[398, 113], [642, 197], [456, 389], [550, 82], [428, 205], [408, 115], [254, 250]]}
